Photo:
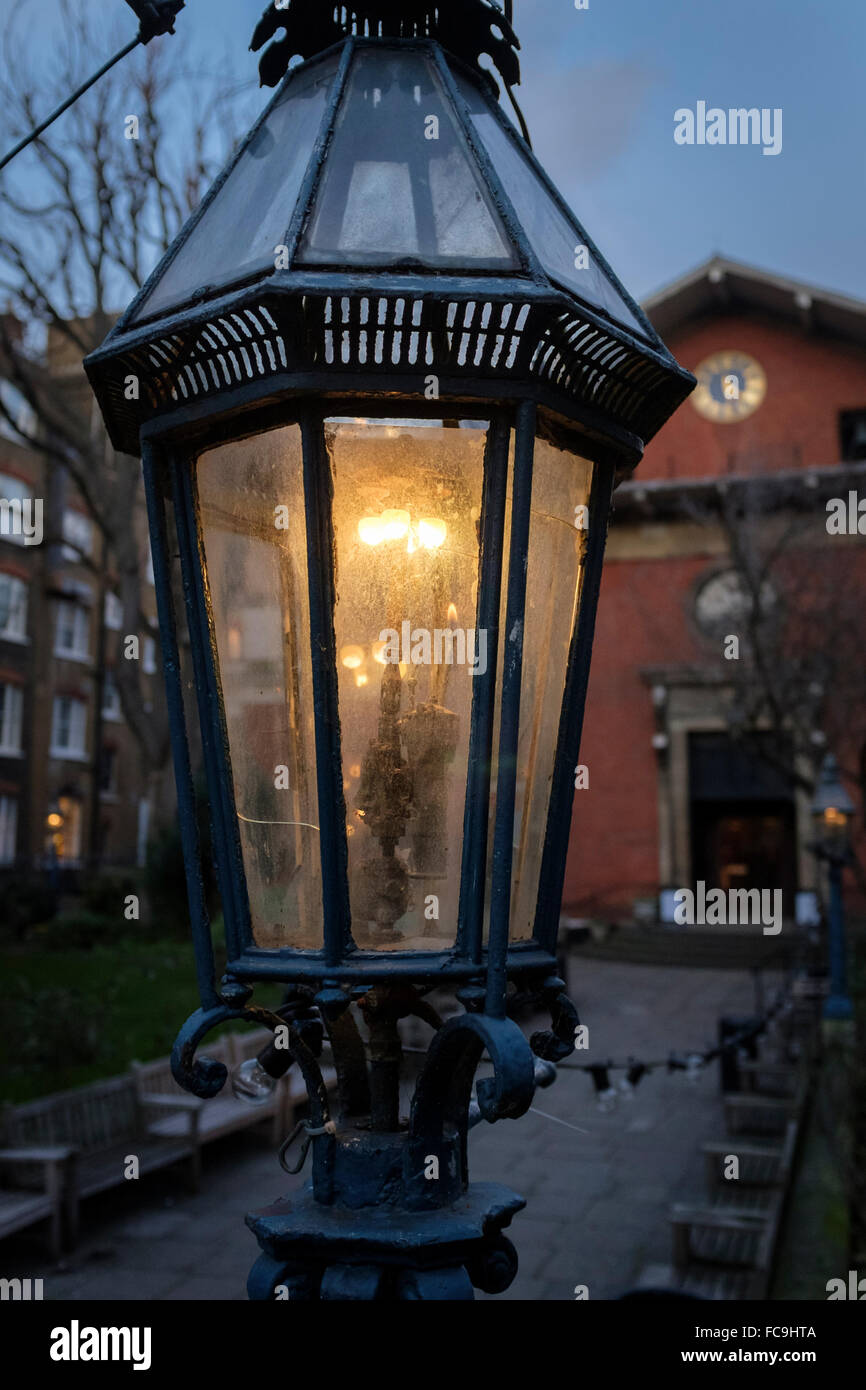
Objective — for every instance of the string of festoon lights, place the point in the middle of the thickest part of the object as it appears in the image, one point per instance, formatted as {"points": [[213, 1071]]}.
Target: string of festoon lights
{"points": [[692, 1063]]}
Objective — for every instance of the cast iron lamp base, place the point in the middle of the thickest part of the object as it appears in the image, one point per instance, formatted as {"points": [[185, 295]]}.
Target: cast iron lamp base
{"points": [[314, 1252]]}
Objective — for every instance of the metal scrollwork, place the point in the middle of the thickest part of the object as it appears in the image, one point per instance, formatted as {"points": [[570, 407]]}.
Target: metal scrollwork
{"points": [[470, 29], [556, 1042]]}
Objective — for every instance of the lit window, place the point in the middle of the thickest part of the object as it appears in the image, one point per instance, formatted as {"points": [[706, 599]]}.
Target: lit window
{"points": [[13, 608], [8, 829], [69, 728], [73, 631], [64, 830], [11, 707], [78, 531]]}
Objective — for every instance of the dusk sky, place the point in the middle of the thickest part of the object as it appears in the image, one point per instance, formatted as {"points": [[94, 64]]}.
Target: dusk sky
{"points": [[600, 89]]}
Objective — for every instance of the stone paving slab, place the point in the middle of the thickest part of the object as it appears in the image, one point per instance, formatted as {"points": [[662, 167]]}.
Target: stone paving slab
{"points": [[597, 1194]]}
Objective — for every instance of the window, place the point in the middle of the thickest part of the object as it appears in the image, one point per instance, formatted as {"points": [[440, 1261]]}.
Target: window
{"points": [[23, 418], [113, 616], [18, 512], [148, 662], [108, 771], [11, 707], [69, 728], [111, 706], [8, 829], [73, 631], [13, 608], [852, 435], [78, 531], [64, 839]]}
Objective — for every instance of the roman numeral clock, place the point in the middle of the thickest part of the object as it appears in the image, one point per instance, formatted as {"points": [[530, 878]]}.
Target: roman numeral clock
{"points": [[731, 387]]}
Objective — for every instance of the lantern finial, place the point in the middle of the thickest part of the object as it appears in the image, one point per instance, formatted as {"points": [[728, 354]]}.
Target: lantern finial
{"points": [[467, 28]]}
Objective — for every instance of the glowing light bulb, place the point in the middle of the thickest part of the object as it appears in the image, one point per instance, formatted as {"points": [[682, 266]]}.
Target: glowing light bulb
{"points": [[250, 1082], [371, 530], [352, 657], [432, 532], [361, 680], [379, 649], [396, 523]]}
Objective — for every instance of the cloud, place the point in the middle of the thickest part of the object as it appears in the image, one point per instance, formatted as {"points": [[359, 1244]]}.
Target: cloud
{"points": [[582, 119]]}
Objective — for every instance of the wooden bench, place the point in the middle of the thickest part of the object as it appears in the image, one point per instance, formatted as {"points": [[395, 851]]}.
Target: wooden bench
{"points": [[783, 1079], [34, 1186], [724, 1248], [225, 1113], [752, 1114], [105, 1124]]}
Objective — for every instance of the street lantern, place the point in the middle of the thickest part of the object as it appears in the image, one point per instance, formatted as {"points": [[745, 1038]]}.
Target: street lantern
{"points": [[383, 385], [832, 813]]}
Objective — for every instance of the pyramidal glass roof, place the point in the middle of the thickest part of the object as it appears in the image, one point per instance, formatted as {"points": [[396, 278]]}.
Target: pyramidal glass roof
{"points": [[400, 187]]}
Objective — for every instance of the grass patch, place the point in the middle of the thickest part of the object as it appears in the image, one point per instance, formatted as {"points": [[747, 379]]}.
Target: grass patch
{"points": [[74, 1016]]}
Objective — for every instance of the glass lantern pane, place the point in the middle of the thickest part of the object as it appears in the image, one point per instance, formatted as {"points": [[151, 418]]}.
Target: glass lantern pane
{"points": [[250, 215], [251, 500], [555, 239], [559, 520], [559, 528], [400, 182], [407, 504]]}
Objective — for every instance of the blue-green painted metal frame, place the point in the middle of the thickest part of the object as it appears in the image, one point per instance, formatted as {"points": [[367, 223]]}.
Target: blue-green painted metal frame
{"points": [[340, 959]]}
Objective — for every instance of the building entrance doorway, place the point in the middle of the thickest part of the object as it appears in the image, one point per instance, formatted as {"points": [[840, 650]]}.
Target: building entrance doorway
{"points": [[743, 819]]}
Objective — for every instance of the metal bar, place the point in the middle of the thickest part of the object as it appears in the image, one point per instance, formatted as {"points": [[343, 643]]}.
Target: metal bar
{"points": [[526, 151], [529, 261], [326, 703], [131, 312], [186, 809], [210, 418], [558, 830], [310, 185], [369, 966], [70, 101], [509, 719], [473, 872], [228, 859]]}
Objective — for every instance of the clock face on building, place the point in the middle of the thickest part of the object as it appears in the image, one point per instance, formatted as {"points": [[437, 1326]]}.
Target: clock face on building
{"points": [[724, 600], [731, 386]]}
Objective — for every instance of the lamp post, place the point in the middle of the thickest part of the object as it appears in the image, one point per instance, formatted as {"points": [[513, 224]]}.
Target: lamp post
{"points": [[383, 386], [832, 809]]}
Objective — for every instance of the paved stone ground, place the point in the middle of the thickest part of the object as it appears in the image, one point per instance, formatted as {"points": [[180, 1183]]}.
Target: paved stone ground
{"points": [[597, 1195]]}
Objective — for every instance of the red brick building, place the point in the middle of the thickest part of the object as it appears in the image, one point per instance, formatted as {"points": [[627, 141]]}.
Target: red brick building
{"points": [[781, 404]]}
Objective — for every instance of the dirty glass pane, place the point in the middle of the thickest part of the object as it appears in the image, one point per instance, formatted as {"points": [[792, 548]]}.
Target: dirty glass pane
{"points": [[251, 502], [400, 182], [559, 522], [250, 215], [559, 528], [407, 503], [557, 242]]}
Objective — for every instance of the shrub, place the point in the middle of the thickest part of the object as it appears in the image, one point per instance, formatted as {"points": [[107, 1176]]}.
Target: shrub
{"points": [[165, 879], [105, 893], [24, 900], [81, 930]]}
